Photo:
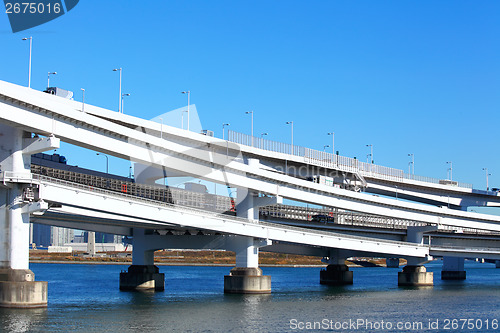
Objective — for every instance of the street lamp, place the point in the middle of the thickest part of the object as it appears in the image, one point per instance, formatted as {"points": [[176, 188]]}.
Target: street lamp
{"points": [[450, 170], [188, 93], [120, 93], [107, 161], [487, 174], [325, 146], [333, 141], [83, 99], [291, 123], [251, 112], [48, 78], [182, 118], [262, 134], [223, 125], [29, 70], [123, 95], [371, 152], [411, 164]]}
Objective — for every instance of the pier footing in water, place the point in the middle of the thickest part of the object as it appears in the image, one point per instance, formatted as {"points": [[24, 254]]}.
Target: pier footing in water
{"points": [[415, 275], [247, 280], [142, 277], [336, 275], [18, 289]]}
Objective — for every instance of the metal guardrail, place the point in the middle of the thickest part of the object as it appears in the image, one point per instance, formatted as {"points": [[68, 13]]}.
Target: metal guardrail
{"points": [[466, 249], [329, 160], [332, 216], [209, 202]]}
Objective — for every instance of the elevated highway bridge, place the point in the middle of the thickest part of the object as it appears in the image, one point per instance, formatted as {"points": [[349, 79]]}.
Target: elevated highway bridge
{"points": [[32, 122]]}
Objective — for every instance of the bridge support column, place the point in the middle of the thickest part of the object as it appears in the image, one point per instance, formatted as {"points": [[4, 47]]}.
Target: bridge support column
{"points": [[336, 273], [143, 274], [415, 276], [453, 269], [392, 262], [18, 288], [246, 277], [414, 273]]}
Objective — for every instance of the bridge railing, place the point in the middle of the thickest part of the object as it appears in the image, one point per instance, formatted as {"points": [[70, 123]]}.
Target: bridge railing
{"points": [[331, 216], [329, 160]]}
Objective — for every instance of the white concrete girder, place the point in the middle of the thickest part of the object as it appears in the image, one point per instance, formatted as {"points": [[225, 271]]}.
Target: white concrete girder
{"points": [[80, 223], [166, 215], [145, 148]]}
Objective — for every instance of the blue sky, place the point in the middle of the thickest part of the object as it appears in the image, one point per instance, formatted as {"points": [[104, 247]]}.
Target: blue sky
{"points": [[419, 77]]}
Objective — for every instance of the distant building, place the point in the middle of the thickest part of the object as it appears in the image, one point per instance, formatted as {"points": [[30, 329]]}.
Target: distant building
{"points": [[61, 236], [45, 235], [41, 234], [101, 237]]}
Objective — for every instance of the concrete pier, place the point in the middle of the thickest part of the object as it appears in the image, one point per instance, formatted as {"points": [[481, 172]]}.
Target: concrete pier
{"points": [[247, 280], [453, 269], [415, 275], [392, 262], [143, 274], [142, 277], [246, 277], [18, 289], [336, 275]]}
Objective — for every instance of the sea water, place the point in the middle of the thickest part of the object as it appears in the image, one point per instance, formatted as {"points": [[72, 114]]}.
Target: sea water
{"points": [[86, 298]]}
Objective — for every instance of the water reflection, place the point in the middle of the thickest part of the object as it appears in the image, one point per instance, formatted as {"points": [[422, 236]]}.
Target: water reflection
{"points": [[21, 320]]}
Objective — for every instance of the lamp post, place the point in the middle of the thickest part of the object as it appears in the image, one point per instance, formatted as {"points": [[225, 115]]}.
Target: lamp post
{"points": [[48, 78], [411, 164], [325, 146], [291, 123], [487, 174], [120, 92], [371, 152], [223, 125], [29, 68], [182, 118], [450, 170], [107, 161], [333, 141], [251, 112], [83, 99], [123, 95], [188, 92], [262, 134]]}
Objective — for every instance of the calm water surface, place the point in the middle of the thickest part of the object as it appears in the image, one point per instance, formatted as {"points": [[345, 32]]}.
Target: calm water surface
{"points": [[86, 298]]}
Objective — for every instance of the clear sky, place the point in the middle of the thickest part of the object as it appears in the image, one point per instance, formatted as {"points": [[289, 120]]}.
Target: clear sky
{"points": [[420, 77]]}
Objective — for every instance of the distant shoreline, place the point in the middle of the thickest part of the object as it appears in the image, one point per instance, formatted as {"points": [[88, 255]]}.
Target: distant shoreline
{"points": [[161, 264], [128, 263]]}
